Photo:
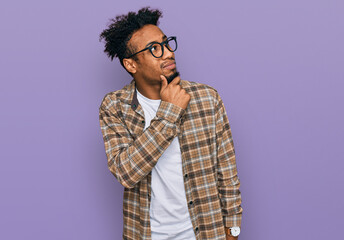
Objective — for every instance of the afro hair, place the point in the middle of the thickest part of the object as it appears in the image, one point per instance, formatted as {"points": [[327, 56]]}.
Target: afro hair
{"points": [[121, 29]]}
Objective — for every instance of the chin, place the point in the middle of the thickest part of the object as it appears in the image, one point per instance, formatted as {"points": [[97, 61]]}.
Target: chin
{"points": [[172, 76]]}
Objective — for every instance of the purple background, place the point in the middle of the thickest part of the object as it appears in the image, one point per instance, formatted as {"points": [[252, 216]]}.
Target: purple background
{"points": [[278, 66]]}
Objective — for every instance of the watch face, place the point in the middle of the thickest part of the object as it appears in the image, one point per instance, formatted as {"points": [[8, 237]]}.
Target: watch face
{"points": [[235, 231]]}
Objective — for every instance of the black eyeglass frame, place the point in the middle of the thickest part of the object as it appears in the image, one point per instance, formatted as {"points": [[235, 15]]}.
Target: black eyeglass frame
{"points": [[162, 47]]}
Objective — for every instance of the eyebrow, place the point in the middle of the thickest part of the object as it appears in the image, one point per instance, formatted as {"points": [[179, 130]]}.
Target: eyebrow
{"points": [[163, 38]]}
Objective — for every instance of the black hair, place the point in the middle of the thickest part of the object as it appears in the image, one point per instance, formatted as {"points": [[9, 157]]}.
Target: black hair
{"points": [[121, 29]]}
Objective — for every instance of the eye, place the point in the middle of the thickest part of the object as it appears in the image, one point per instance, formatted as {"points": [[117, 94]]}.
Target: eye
{"points": [[155, 48]]}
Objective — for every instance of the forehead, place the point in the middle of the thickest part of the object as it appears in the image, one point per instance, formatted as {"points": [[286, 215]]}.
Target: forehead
{"points": [[145, 35]]}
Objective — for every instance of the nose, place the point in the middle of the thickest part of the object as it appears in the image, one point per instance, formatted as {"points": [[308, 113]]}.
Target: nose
{"points": [[167, 53]]}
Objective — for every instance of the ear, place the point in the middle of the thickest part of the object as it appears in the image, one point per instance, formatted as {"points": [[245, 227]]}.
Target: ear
{"points": [[130, 65]]}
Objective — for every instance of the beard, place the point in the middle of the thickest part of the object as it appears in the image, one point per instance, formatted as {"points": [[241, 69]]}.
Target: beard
{"points": [[173, 76]]}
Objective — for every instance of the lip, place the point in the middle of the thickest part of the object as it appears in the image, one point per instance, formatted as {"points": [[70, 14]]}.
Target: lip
{"points": [[169, 65]]}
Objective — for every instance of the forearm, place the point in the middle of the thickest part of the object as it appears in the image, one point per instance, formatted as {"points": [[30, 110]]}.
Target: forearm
{"points": [[134, 161], [130, 159], [229, 194], [230, 197]]}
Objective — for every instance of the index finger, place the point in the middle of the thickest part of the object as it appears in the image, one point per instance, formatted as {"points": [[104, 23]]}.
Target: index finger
{"points": [[176, 80]]}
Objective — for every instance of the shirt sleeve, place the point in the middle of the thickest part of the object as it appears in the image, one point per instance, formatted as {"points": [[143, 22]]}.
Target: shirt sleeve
{"points": [[130, 160], [228, 181]]}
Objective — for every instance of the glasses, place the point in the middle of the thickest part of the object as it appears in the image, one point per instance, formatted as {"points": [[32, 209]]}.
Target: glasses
{"points": [[157, 49]]}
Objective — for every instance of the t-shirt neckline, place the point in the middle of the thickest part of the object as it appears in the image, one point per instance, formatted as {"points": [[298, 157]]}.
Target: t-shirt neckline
{"points": [[148, 99]]}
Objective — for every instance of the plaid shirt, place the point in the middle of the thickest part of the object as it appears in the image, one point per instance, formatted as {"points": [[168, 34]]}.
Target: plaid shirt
{"points": [[208, 158]]}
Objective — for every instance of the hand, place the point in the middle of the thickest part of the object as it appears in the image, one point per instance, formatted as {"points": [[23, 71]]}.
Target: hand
{"points": [[231, 237], [174, 93]]}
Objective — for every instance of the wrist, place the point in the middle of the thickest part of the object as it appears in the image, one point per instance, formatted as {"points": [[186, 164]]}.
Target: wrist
{"points": [[232, 232], [170, 112]]}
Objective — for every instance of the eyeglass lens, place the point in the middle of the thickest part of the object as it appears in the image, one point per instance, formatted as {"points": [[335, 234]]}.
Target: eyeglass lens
{"points": [[156, 48]]}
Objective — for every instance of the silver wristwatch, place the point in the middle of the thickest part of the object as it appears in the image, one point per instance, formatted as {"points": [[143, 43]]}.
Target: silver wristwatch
{"points": [[234, 231]]}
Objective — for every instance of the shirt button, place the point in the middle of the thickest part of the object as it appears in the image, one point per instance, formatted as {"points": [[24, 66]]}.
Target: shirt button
{"points": [[186, 176], [143, 121], [196, 229], [191, 202]]}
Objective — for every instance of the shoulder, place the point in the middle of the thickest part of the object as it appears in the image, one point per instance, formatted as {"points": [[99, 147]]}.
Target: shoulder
{"points": [[201, 90], [112, 99]]}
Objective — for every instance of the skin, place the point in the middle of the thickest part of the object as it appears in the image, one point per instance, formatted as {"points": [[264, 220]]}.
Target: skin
{"points": [[231, 237], [149, 72]]}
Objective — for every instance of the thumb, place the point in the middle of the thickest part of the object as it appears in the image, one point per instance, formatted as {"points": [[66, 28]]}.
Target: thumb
{"points": [[163, 82]]}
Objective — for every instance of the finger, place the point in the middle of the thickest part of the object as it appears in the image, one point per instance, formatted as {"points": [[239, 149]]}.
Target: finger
{"points": [[163, 82], [176, 81]]}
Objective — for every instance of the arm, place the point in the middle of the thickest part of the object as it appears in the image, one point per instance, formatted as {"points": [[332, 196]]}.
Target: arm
{"points": [[130, 160], [228, 181]]}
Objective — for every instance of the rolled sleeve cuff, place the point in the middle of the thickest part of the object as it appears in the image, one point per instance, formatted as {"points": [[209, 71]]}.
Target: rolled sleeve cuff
{"points": [[170, 112], [233, 220]]}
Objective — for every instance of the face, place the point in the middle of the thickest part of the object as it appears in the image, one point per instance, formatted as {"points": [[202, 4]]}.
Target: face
{"points": [[149, 68]]}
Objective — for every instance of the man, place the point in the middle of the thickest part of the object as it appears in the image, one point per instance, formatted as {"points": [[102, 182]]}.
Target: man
{"points": [[167, 141]]}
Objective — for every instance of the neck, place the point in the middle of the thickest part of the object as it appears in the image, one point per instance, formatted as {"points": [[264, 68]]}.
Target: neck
{"points": [[149, 91]]}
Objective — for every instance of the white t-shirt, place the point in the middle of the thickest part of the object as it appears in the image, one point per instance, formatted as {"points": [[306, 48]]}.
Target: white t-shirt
{"points": [[169, 215]]}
